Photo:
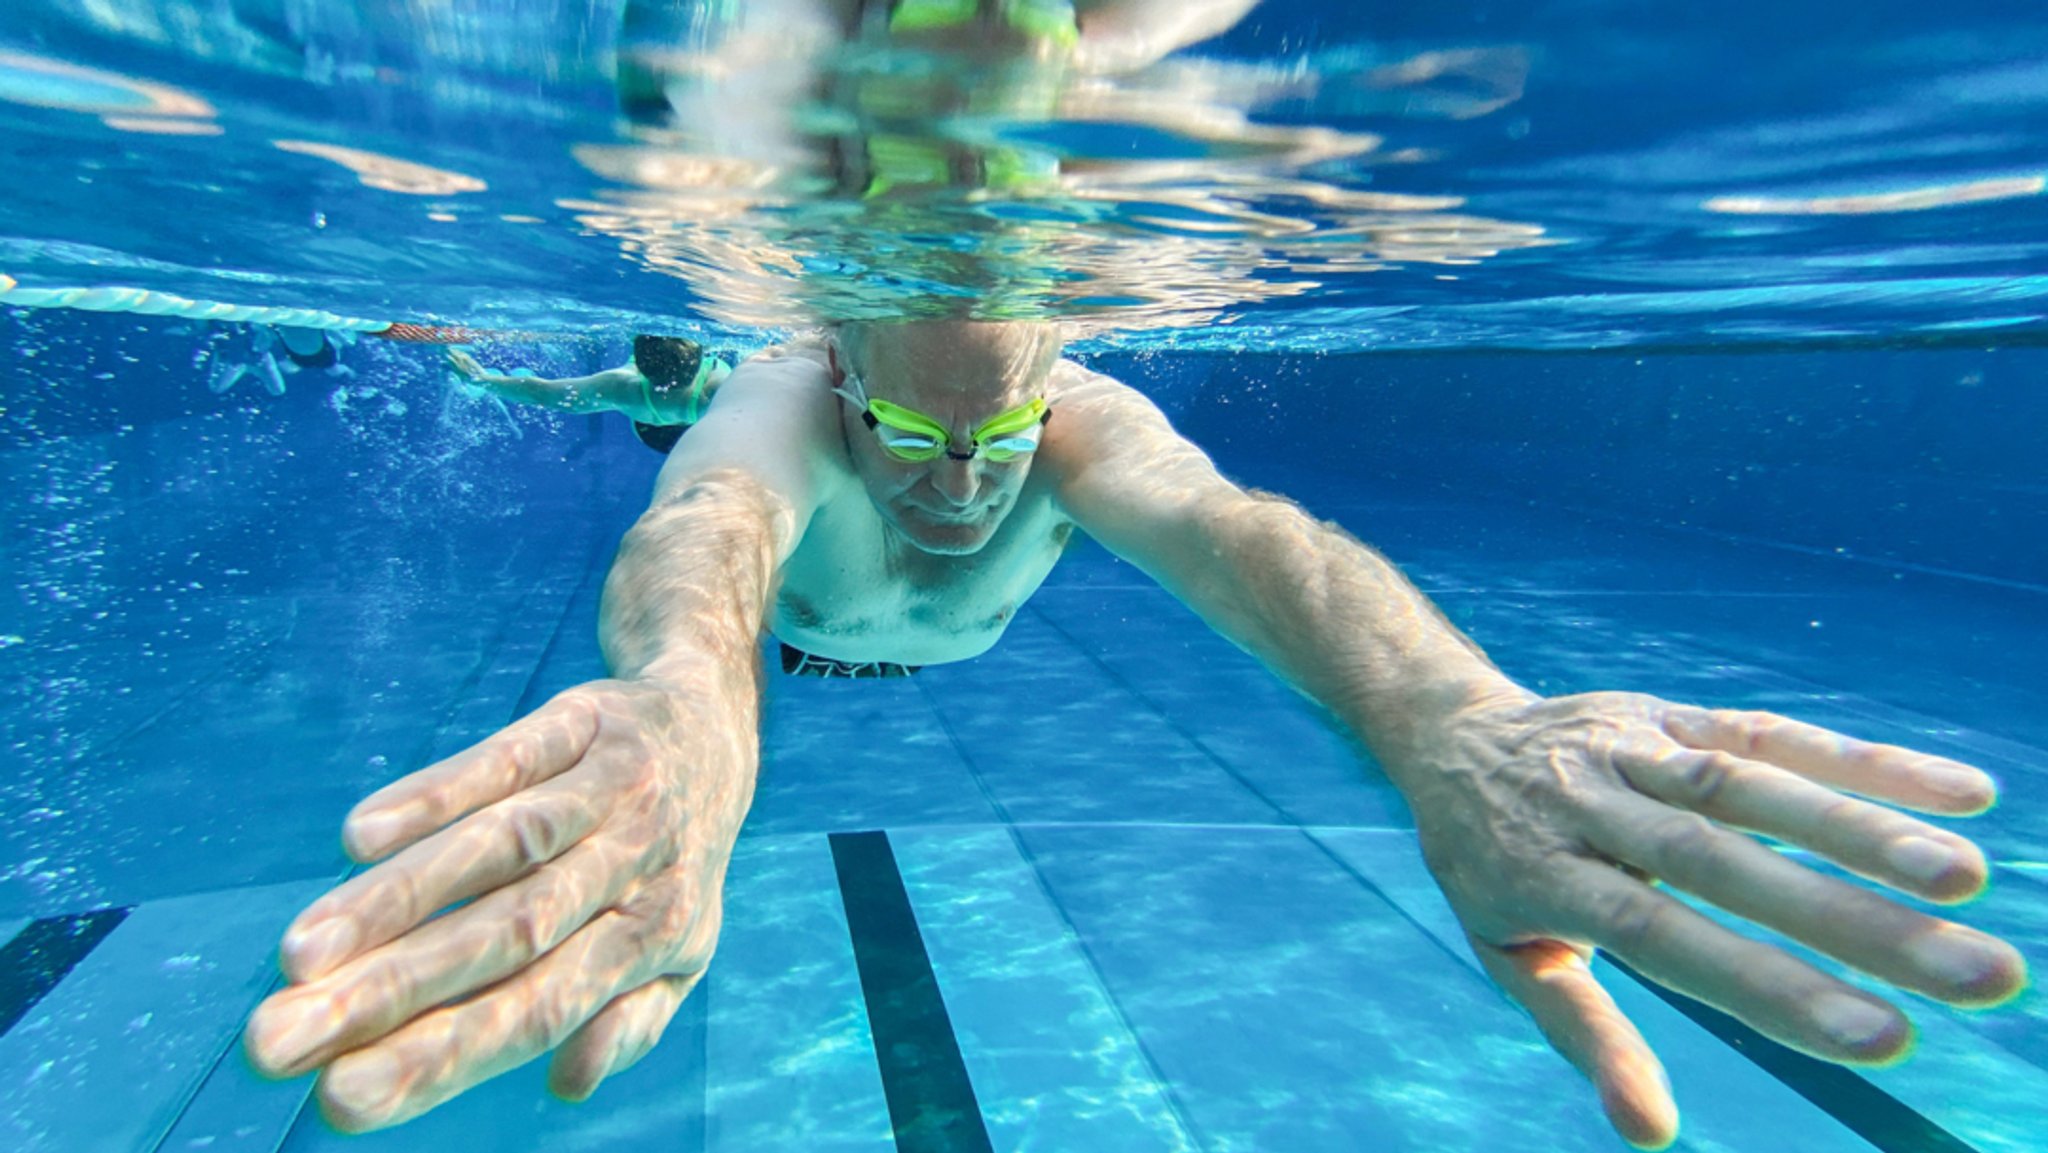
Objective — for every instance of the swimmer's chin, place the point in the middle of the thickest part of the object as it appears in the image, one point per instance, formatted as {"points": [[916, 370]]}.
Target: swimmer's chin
{"points": [[949, 547], [947, 537]]}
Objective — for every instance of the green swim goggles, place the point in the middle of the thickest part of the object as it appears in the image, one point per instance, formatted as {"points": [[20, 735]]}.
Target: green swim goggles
{"points": [[912, 437]]}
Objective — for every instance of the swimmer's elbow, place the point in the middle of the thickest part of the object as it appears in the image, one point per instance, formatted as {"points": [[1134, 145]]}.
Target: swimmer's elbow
{"points": [[724, 508], [613, 390]]}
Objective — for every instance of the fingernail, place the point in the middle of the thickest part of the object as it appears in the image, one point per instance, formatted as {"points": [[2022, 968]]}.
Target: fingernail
{"points": [[1921, 858], [293, 1041], [320, 948], [1960, 783], [365, 1084], [370, 836], [1968, 966], [1852, 1021]]}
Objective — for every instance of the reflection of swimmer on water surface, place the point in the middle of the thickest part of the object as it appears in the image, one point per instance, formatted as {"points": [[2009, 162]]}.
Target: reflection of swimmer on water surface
{"points": [[1092, 35], [301, 348], [664, 389], [722, 75], [941, 155]]}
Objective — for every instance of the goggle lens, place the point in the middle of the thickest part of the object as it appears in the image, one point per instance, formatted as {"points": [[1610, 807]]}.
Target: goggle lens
{"points": [[911, 448], [911, 436], [1011, 447]]}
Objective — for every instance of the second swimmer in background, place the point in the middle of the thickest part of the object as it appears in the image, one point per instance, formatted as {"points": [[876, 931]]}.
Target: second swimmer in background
{"points": [[664, 390]]}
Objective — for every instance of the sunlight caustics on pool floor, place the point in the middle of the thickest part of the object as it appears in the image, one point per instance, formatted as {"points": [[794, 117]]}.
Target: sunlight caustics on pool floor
{"points": [[1161, 904]]}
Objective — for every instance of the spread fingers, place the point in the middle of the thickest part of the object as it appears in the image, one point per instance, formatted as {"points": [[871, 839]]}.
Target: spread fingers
{"points": [[1768, 989], [444, 1052], [1848, 922], [304, 1026]]}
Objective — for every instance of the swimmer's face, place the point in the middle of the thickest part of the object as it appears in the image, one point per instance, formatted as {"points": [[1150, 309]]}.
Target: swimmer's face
{"points": [[959, 374]]}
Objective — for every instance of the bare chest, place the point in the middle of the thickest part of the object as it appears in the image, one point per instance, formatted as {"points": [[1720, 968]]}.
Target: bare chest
{"points": [[848, 594]]}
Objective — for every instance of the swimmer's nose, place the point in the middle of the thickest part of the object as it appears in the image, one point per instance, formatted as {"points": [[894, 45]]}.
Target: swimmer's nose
{"points": [[959, 481]]}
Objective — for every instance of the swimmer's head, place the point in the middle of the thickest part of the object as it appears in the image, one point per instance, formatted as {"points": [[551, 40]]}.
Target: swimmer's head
{"points": [[667, 358], [308, 347], [960, 374]]}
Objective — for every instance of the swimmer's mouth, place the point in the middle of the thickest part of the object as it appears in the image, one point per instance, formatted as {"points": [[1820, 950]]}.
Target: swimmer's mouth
{"points": [[963, 517]]}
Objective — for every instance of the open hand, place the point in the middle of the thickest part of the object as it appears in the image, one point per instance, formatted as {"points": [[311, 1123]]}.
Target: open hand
{"points": [[1548, 821], [591, 840]]}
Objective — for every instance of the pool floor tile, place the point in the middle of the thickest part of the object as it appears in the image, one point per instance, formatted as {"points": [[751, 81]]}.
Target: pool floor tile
{"points": [[1290, 1007], [1055, 739], [1725, 1102], [1227, 704], [790, 1056], [1053, 1064], [112, 1055], [858, 754]]}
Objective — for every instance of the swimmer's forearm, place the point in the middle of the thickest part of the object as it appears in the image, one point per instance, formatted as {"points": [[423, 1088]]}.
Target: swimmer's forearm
{"points": [[1342, 624], [1324, 612], [689, 591], [575, 394], [681, 612]]}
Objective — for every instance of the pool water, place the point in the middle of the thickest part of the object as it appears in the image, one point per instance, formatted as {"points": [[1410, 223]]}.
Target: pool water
{"points": [[1110, 886]]}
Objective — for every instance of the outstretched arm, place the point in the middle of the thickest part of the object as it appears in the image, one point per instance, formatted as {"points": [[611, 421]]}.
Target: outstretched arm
{"points": [[590, 839], [1549, 822], [620, 389], [1326, 613]]}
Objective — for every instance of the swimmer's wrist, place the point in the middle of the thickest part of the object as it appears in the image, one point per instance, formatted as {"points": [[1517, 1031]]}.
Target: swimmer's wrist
{"points": [[1410, 729], [721, 680], [696, 669]]}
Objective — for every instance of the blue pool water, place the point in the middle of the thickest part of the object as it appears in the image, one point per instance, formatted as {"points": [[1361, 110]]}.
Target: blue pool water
{"points": [[1773, 454]]}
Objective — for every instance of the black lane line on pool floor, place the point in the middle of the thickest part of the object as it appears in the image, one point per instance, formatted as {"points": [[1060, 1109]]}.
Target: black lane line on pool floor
{"points": [[1864, 1109], [42, 955], [931, 1101]]}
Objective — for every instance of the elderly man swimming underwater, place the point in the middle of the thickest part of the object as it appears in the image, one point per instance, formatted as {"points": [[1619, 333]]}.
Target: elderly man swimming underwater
{"points": [[885, 496]]}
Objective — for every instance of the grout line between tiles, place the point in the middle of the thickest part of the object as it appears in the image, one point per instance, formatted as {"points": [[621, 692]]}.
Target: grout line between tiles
{"points": [[1210, 754], [1167, 1091]]}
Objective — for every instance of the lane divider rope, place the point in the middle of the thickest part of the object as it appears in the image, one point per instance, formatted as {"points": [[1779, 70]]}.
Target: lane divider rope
{"points": [[149, 302]]}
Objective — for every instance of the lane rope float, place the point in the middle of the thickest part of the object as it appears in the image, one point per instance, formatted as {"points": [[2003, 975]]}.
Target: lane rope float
{"points": [[149, 302]]}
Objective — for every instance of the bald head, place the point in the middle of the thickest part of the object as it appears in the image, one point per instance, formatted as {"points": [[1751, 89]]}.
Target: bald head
{"points": [[959, 374], [959, 360]]}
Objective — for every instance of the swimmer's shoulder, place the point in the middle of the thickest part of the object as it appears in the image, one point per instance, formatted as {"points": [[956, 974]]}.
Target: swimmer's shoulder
{"points": [[1084, 395], [1107, 439], [796, 357], [776, 414], [793, 376]]}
